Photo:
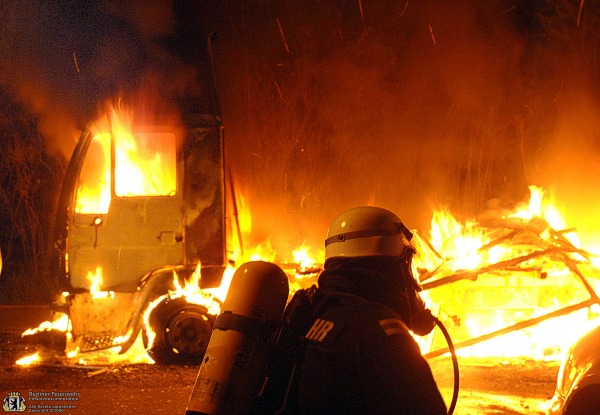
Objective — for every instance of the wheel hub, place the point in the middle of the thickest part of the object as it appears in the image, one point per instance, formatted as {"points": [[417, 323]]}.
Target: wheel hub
{"points": [[188, 333]]}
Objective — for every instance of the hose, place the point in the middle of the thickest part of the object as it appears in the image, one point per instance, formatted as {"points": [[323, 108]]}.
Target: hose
{"points": [[454, 365]]}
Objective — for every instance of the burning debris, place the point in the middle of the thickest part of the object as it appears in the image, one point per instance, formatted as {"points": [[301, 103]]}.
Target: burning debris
{"points": [[511, 274]]}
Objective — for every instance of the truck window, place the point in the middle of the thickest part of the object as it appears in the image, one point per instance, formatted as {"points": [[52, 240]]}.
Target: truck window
{"points": [[145, 165], [93, 186]]}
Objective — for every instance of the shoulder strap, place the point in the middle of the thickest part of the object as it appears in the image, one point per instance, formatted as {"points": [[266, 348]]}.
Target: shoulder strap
{"points": [[286, 353]]}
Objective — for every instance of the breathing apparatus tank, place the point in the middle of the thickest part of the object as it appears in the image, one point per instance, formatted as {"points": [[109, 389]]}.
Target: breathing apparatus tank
{"points": [[237, 352]]}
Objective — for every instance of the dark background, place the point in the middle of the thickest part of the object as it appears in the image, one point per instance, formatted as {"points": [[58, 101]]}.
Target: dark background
{"points": [[413, 106]]}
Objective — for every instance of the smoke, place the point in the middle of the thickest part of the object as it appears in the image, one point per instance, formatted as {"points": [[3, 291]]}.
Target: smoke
{"points": [[65, 59], [327, 105], [410, 106]]}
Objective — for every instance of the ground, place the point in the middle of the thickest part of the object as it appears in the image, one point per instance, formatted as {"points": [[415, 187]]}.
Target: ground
{"points": [[487, 386]]}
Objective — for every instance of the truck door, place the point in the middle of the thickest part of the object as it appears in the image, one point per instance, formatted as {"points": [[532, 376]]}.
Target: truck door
{"points": [[126, 211]]}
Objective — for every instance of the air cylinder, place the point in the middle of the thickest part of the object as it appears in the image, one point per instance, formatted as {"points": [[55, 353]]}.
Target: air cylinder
{"points": [[236, 356]]}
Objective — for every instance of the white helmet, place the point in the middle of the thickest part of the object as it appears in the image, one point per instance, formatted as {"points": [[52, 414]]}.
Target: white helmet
{"points": [[367, 231]]}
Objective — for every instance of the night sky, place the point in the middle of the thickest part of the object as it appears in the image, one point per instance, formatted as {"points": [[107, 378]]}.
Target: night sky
{"points": [[412, 106]]}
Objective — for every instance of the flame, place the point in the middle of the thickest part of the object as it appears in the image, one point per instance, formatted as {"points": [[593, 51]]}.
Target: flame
{"points": [[29, 360], [144, 164], [461, 243], [135, 354], [540, 342], [93, 192], [60, 323], [470, 246], [457, 242], [145, 161], [307, 257], [541, 208], [96, 280], [210, 299], [261, 251], [466, 245]]}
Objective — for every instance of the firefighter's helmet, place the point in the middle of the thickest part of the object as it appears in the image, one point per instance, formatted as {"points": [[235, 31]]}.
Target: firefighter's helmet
{"points": [[367, 231]]}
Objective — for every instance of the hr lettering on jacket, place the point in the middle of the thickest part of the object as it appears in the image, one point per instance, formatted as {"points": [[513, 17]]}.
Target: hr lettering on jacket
{"points": [[319, 330]]}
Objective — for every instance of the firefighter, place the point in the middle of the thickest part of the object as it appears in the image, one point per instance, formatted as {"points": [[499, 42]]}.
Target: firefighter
{"points": [[360, 357]]}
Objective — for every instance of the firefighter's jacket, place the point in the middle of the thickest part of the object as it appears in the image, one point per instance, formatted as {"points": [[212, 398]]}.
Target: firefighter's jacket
{"points": [[361, 359]]}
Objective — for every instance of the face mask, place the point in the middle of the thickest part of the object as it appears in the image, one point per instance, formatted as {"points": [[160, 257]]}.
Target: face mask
{"points": [[421, 321], [418, 317]]}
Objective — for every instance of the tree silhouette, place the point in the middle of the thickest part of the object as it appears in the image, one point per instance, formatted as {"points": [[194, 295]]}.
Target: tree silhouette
{"points": [[29, 178]]}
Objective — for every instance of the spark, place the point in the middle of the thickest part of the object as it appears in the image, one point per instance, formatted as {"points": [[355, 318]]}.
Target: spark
{"points": [[432, 36], [362, 13], [278, 90], [579, 13], [76, 63], [287, 49], [404, 9]]}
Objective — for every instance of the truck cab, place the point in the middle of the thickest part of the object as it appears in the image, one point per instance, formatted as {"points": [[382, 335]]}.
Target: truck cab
{"points": [[143, 208]]}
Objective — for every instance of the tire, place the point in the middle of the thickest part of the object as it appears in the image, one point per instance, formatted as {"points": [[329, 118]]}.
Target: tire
{"points": [[586, 401], [182, 332]]}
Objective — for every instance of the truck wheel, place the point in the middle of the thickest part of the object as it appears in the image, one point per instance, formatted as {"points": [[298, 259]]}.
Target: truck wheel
{"points": [[584, 401], [182, 332]]}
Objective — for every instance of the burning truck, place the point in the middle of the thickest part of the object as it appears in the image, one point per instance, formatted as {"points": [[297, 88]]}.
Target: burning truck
{"points": [[142, 213]]}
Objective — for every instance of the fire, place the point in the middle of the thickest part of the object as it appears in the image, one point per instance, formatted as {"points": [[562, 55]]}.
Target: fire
{"points": [[538, 207], [211, 299], [264, 252], [60, 323], [144, 161], [459, 247], [95, 280], [496, 282], [93, 192], [29, 360], [220, 292], [457, 242], [462, 243], [301, 267], [242, 232], [307, 258], [461, 251]]}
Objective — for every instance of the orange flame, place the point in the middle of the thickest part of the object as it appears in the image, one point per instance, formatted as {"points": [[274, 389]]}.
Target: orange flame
{"points": [[144, 161], [93, 192], [211, 299], [96, 280], [29, 360], [457, 242], [60, 323], [461, 244]]}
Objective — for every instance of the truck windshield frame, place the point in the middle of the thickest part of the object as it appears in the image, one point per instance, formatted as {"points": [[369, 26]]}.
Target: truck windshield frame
{"points": [[145, 165]]}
